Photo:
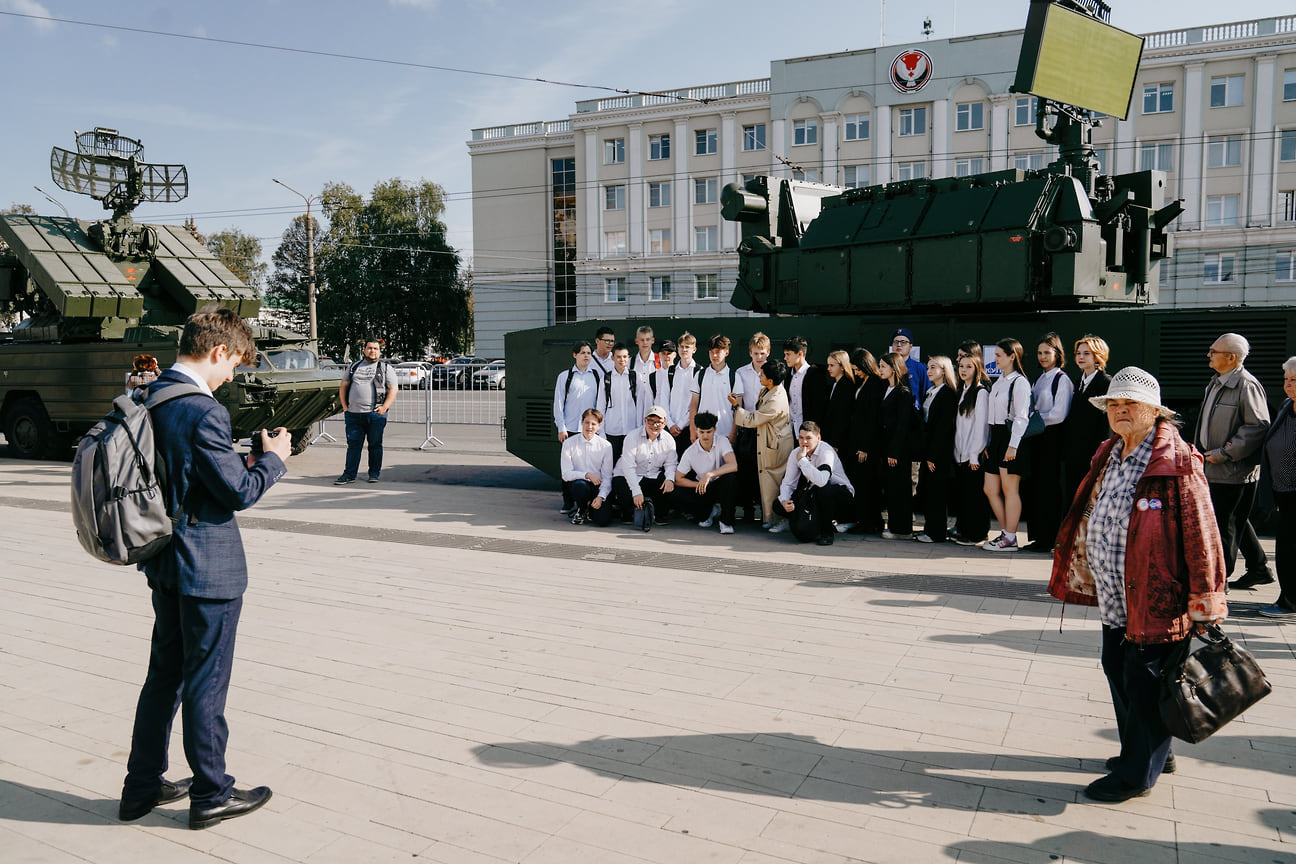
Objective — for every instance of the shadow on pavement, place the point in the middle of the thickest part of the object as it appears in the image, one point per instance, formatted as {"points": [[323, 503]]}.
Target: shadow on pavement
{"points": [[1094, 847]]}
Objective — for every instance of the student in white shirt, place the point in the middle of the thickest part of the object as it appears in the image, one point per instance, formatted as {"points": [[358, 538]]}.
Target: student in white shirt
{"points": [[646, 468], [1009, 455], [575, 390], [706, 477], [586, 465], [744, 439], [681, 391], [712, 388], [621, 414], [971, 436], [604, 340], [815, 477], [1052, 393]]}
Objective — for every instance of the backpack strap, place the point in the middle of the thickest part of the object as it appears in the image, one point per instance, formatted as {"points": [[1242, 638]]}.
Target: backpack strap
{"points": [[150, 401]]}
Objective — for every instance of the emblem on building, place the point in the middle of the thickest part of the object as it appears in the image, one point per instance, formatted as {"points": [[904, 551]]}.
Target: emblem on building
{"points": [[911, 71]]}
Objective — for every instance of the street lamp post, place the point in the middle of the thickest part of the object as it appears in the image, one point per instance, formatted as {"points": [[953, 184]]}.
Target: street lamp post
{"points": [[310, 257]]}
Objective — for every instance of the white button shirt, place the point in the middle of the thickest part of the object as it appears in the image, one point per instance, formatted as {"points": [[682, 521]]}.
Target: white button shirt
{"points": [[832, 471], [643, 458], [580, 457]]}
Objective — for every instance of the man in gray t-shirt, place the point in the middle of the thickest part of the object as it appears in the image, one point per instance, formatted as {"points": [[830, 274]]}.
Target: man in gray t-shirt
{"points": [[367, 393]]}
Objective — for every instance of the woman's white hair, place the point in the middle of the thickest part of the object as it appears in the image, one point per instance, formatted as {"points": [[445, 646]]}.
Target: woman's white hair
{"points": [[1289, 368]]}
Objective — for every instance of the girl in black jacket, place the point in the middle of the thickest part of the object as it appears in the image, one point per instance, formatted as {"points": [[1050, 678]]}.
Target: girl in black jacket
{"points": [[893, 446], [1085, 427], [940, 408], [860, 466], [841, 399]]}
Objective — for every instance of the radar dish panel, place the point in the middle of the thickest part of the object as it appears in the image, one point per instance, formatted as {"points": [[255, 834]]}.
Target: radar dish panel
{"points": [[106, 142], [95, 176], [166, 183]]}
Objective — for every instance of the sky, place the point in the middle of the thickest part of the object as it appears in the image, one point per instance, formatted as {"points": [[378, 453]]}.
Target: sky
{"points": [[288, 104]]}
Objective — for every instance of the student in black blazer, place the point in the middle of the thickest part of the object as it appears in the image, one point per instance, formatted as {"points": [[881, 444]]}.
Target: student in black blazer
{"points": [[841, 401], [862, 464], [935, 474], [1085, 427], [894, 446]]}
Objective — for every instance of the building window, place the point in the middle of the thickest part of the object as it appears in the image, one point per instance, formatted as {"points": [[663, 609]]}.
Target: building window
{"points": [[912, 170], [810, 176], [660, 288], [704, 190], [613, 151], [659, 241], [969, 116], [1024, 111], [1287, 146], [706, 238], [614, 290], [1100, 153], [1287, 203], [563, 178], [706, 286], [659, 194], [1226, 92], [1285, 266], [747, 178], [857, 127], [1156, 156], [805, 132], [968, 167], [913, 121], [658, 146], [1029, 161], [1218, 267], [1222, 210], [614, 197], [1224, 151], [1158, 98], [614, 244], [754, 137], [1289, 85], [855, 176], [704, 142]]}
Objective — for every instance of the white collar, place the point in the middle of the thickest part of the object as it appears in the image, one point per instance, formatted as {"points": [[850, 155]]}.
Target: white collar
{"points": [[192, 375]]}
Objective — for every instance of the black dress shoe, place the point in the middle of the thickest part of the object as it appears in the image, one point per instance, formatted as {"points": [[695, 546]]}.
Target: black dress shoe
{"points": [[1251, 579], [240, 801], [1169, 767], [129, 811], [824, 540], [1113, 790]]}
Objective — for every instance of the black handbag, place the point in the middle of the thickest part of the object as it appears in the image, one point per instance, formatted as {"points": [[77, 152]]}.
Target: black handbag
{"points": [[1204, 689]]}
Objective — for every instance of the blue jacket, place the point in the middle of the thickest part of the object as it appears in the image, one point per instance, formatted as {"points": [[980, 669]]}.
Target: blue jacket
{"points": [[205, 556]]}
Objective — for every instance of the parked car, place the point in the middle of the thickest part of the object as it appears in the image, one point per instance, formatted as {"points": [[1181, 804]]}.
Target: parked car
{"points": [[411, 375], [455, 374], [489, 377]]}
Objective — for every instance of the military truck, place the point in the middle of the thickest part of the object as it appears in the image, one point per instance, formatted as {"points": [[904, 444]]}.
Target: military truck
{"points": [[92, 296]]}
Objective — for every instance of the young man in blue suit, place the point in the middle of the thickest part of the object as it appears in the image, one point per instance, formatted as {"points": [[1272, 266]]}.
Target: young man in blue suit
{"points": [[199, 578]]}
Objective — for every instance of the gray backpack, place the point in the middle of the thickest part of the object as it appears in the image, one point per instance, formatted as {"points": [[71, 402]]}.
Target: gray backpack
{"points": [[119, 483]]}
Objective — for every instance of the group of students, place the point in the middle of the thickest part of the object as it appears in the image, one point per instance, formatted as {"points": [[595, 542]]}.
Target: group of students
{"points": [[824, 450]]}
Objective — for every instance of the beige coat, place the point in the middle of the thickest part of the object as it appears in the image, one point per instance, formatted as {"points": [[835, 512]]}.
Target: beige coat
{"points": [[774, 441]]}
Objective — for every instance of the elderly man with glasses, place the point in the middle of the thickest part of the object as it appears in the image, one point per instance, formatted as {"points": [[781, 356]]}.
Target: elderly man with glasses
{"points": [[1230, 430], [646, 470]]}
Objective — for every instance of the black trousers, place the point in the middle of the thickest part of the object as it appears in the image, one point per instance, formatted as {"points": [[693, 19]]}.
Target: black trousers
{"points": [[651, 487], [617, 442], [1045, 498], [1232, 504], [582, 492], [868, 494], [833, 503], [899, 494], [1134, 677], [723, 490], [748, 494], [973, 508], [1285, 550], [934, 492]]}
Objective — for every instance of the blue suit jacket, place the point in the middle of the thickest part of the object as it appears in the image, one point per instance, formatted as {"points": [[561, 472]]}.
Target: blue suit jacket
{"points": [[205, 556]]}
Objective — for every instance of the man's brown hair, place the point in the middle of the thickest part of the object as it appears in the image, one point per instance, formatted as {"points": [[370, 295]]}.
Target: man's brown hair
{"points": [[212, 326]]}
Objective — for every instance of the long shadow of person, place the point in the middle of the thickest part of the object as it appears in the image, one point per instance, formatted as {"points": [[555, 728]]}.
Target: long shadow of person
{"points": [[20, 802]]}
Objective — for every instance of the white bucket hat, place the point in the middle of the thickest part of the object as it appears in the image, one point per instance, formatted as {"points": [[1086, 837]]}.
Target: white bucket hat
{"points": [[1135, 384]]}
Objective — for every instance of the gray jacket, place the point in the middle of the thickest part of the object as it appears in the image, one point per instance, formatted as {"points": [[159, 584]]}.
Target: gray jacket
{"points": [[1233, 423]]}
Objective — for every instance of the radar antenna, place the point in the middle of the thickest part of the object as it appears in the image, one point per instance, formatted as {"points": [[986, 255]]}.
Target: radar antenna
{"points": [[107, 167]]}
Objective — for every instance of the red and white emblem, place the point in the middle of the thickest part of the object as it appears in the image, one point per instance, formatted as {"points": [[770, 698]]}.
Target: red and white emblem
{"points": [[911, 71]]}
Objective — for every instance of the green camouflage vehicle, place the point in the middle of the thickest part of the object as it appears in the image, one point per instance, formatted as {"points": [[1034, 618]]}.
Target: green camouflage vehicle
{"points": [[92, 296]]}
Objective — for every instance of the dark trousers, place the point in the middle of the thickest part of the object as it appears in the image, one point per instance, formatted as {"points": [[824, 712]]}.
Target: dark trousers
{"points": [[1232, 504], [748, 494], [868, 494], [190, 661], [1045, 495], [1134, 676], [722, 490], [1285, 548], [933, 490], [899, 494], [359, 429], [581, 493], [651, 487], [833, 504], [617, 442], [973, 511]]}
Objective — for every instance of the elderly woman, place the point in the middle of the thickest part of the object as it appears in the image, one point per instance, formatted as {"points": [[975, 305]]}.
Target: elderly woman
{"points": [[1278, 473], [773, 425], [1140, 544]]}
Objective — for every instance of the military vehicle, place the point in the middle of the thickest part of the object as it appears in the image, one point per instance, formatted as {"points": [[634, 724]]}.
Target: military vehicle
{"points": [[95, 295], [1015, 253]]}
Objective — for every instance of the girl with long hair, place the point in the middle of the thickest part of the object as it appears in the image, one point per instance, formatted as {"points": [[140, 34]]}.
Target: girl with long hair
{"points": [[893, 446], [1009, 461], [971, 436]]}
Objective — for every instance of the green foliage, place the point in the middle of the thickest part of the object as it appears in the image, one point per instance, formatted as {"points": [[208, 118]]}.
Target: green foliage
{"points": [[386, 270], [241, 253], [287, 288]]}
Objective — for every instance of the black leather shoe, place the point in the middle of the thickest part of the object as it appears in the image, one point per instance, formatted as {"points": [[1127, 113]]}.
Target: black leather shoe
{"points": [[241, 801], [824, 540], [129, 811], [1251, 579], [1113, 790], [1168, 769]]}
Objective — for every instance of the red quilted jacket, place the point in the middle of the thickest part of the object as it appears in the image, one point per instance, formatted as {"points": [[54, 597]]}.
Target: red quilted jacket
{"points": [[1174, 562]]}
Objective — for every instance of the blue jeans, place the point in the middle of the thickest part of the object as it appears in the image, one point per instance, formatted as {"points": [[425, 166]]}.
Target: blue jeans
{"points": [[1134, 678], [190, 663], [359, 428]]}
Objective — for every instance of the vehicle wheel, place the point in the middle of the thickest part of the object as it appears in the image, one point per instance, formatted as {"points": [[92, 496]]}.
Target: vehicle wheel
{"points": [[501, 384], [301, 439], [28, 430]]}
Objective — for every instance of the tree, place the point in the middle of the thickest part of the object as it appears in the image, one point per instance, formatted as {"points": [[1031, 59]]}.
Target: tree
{"points": [[388, 272], [287, 288], [241, 253]]}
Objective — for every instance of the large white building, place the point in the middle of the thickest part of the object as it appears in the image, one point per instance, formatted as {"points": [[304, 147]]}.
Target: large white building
{"points": [[614, 212]]}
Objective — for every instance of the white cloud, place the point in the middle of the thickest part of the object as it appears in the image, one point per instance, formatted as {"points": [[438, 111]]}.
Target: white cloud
{"points": [[30, 7]]}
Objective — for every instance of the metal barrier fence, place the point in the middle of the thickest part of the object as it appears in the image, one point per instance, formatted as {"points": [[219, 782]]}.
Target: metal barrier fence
{"points": [[468, 393]]}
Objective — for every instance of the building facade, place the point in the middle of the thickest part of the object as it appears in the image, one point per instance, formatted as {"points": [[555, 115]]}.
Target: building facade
{"points": [[614, 212]]}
